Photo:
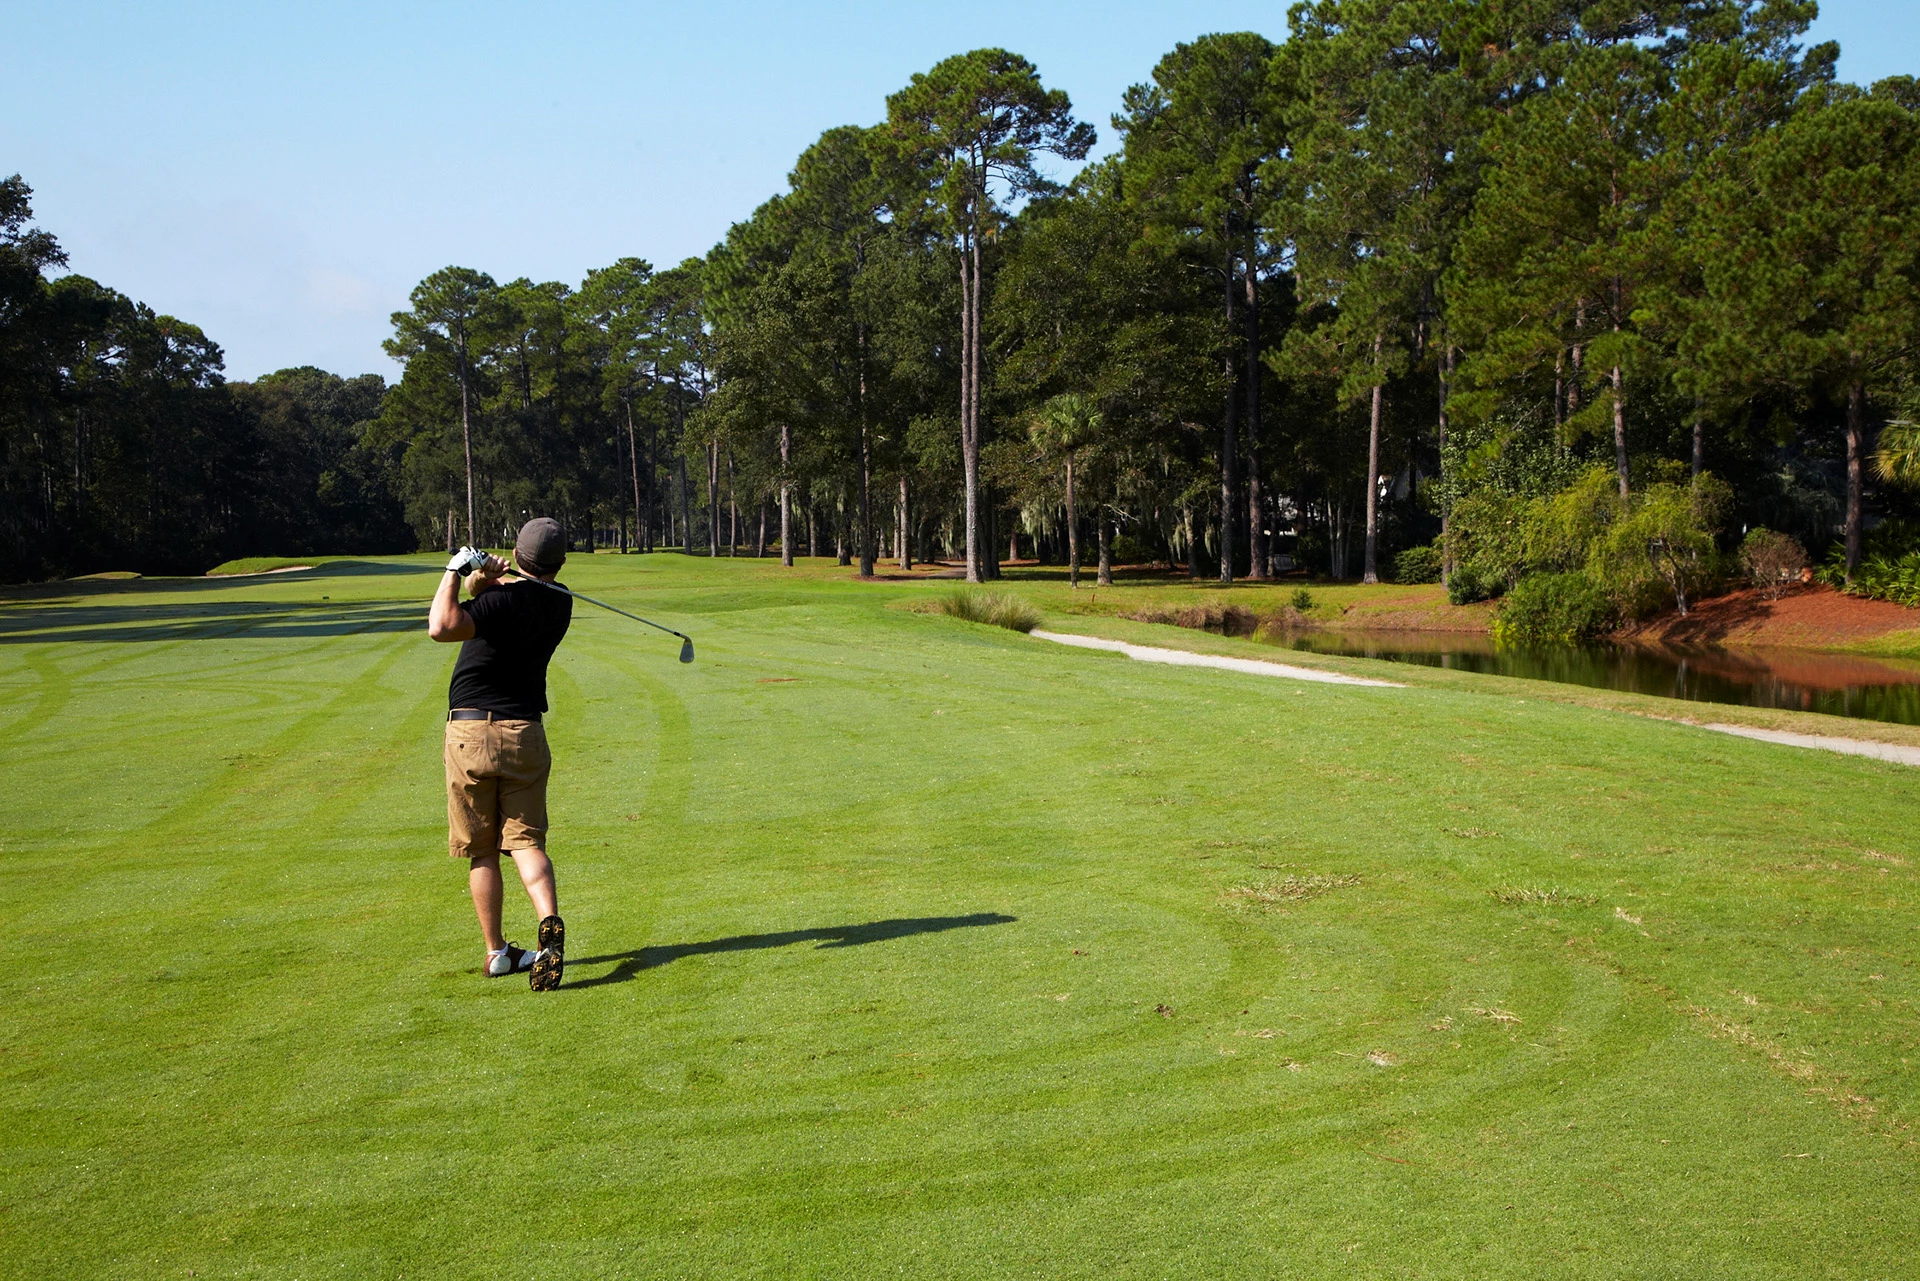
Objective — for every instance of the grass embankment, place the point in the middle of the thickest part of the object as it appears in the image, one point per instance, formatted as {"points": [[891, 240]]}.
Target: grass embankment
{"points": [[259, 565], [906, 945]]}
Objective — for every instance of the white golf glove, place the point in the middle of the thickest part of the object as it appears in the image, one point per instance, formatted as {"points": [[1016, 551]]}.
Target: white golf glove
{"points": [[467, 560]]}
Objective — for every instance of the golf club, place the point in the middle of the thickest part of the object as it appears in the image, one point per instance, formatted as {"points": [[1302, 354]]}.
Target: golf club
{"points": [[686, 648]]}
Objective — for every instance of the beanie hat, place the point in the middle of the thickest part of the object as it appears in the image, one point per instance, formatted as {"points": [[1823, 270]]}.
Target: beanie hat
{"points": [[542, 546]]}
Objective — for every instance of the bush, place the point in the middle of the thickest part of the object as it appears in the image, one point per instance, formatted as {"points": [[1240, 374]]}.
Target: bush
{"points": [[1558, 608], [1302, 599], [1417, 565], [1663, 545], [997, 609], [1471, 582], [1125, 549], [1773, 562], [1889, 567]]}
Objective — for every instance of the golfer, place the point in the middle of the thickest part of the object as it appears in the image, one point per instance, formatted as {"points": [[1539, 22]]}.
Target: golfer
{"points": [[496, 747]]}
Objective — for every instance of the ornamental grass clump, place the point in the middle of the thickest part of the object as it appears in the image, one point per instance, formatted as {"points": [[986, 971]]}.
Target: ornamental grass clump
{"points": [[996, 609]]}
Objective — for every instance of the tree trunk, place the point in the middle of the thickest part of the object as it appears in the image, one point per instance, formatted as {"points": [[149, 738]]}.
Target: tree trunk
{"points": [[865, 533], [866, 462], [1369, 572], [1620, 426], [760, 543], [786, 497], [842, 541], [989, 533], [1559, 394], [686, 502], [466, 444], [1257, 567], [1073, 531], [640, 513], [622, 512], [1105, 524], [1856, 440], [647, 495], [1699, 438], [969, 425], [1193, 542], [1228, 443], [1446, 500], [906, 526], [713, 499]]}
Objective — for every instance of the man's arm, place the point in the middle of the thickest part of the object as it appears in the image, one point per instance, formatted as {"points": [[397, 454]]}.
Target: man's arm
{"points": [[447, 618]]}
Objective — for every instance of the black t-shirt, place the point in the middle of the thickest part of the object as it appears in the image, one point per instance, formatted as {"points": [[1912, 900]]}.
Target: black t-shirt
{"points": [[503, 669]]}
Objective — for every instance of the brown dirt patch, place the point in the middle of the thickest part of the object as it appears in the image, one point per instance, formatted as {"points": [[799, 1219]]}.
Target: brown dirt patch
{"points": [[1816, 617]]}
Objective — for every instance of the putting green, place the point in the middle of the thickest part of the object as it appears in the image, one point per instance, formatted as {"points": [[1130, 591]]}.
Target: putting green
{"points": [[906, 946]]}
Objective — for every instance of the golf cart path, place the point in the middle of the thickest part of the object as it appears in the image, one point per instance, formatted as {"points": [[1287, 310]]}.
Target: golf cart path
{"points": [[1186, 658], [1824, 742]]}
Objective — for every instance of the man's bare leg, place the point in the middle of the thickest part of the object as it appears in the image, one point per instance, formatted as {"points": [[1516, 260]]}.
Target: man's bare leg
{"points": [[483, 880], [536, 873]]}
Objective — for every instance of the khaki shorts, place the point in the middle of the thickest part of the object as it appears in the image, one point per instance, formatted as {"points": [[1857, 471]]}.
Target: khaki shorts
{"points": [[496, 786]]}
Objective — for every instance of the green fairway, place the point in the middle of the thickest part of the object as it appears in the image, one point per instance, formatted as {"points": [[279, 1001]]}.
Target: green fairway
{"points": [[903, 946]]}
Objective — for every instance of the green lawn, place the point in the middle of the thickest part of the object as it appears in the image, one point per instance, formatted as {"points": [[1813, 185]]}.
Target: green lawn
{"points": [[901, 946]]}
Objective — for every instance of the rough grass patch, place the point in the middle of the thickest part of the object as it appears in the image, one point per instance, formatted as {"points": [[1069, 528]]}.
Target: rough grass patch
{"points": [[1291, 889], [996, 609], [1517, 896]]}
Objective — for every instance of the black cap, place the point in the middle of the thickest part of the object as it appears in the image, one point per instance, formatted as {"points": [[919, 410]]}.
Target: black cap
{"points": [[541, 548]]}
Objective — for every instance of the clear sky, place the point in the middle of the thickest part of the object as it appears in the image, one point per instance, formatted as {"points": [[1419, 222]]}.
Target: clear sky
{"points": [[283, 174]]}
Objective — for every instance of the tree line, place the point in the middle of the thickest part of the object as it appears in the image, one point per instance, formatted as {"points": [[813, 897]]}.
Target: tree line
{"points": [[1376, 299]]}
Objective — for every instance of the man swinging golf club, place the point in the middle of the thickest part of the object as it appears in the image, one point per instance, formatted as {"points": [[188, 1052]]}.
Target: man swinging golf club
{"points": [[496, 747]]}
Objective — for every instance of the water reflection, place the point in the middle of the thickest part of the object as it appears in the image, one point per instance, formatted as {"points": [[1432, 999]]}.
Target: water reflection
{"points": [[1880, 689]]}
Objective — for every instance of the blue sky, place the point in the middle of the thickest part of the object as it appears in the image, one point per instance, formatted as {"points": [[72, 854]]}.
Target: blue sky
{"points": [[283, 174]]}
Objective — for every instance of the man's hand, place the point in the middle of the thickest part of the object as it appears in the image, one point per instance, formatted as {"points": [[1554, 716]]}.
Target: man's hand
{"points": [[486, 574], [467, 560], [446, 619]]}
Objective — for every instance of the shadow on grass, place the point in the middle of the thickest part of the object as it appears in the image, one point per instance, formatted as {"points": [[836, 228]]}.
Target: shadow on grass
{"points": [[203, 620], [84, 588], [631, 964]]}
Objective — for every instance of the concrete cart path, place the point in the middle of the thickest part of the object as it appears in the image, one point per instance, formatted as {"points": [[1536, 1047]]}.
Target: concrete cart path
{"points": [[1826, 743], [1186, 658]]}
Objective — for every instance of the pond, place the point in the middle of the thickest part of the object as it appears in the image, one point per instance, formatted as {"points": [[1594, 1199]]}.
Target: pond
{"points": [[1880, 689]]}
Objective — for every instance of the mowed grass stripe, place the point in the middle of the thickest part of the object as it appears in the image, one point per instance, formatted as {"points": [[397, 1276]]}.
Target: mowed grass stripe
{"points": [[966, 994]]}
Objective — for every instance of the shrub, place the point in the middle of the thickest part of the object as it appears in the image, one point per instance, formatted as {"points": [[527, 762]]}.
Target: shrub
{"points": [[1471, 582], [1302, 599], [1664, 545], [1125, 549], [1773, 562], [1889, 567], [997, 609], [1489, 545], [1417, 565], [1557, 608]]}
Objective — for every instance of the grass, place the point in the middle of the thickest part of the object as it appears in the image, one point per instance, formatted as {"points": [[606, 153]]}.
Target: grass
{"points": [[996, 609], [904, 947]]}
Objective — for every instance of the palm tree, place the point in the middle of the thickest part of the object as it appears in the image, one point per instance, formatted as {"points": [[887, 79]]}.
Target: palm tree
{"points": [[1897, 458], [1062, 427]]}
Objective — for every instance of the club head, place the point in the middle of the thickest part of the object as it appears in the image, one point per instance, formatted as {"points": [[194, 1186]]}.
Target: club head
{"points": [[686, 651]]}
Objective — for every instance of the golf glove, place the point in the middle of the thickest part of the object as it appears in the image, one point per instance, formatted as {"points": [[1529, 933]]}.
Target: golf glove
{"points": [[467, 560]]}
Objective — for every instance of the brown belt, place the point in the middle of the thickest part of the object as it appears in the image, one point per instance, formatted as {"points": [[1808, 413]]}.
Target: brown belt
{"points": [[475, 714]]}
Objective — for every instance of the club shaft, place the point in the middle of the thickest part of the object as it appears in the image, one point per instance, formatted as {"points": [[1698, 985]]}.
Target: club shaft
{"points": [[567, 591]]}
